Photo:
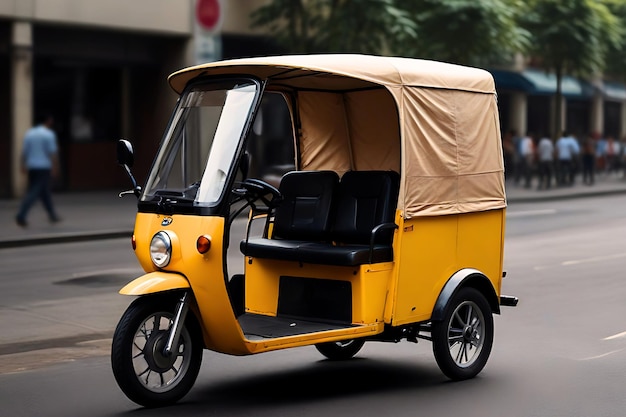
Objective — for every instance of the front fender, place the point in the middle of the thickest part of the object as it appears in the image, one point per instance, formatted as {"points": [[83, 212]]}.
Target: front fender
{"points": [[465, 277], [154, 282]]}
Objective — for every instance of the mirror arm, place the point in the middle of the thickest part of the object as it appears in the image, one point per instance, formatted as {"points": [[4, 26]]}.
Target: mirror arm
{"points": [[136, 189]]}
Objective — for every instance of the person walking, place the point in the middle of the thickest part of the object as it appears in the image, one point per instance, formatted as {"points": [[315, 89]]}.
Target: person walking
{"points": [[527, 154], [589, 158], [612, 155], [545, 154], [40, 162], [567, 150]]}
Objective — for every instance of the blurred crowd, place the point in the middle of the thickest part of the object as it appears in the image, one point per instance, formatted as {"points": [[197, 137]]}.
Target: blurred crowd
{"points": [[538, 160]]}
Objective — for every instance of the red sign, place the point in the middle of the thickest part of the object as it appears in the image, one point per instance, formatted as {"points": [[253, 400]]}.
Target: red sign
{"points": [[208, 13]]}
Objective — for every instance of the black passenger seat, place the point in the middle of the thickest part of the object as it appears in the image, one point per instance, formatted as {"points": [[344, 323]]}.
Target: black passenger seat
{"points": [[359, 221]]}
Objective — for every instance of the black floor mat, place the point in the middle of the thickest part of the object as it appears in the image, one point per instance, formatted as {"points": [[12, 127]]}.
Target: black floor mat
{"points": [[257, 326]]}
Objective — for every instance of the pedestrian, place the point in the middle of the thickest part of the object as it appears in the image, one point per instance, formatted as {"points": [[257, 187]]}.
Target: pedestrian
{"points": [[527, 160], [600, 154], [545, 154], [589, 158], [517, 156], [39, 161], [509, 153], [567, 150], [612, 155]]}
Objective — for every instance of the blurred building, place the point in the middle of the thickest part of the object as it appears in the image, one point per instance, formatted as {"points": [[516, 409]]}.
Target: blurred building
{"points": [[527, 102], [101, 68]]}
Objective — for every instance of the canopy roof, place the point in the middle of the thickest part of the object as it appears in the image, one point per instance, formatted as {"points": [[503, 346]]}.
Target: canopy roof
{"points": [[381, 70], [435, 123]]}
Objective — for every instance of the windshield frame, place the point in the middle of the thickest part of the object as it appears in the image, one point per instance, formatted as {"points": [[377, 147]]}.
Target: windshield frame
{"points": [[175, 202]]}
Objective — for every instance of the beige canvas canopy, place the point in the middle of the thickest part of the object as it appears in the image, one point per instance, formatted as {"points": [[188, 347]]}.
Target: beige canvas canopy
{"points": [[435, 123]]}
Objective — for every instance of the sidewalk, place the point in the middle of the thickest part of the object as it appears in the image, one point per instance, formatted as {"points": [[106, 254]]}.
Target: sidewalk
{"points": [[85, 216], [102, 214]]}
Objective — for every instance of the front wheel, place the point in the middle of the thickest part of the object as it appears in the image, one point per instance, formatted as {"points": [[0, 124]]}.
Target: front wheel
{"points": [[462, 340], [342, 350], [144, 373]]}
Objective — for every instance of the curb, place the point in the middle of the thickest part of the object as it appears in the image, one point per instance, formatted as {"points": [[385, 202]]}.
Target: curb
{"points": [[64, 238], [573, 196]]}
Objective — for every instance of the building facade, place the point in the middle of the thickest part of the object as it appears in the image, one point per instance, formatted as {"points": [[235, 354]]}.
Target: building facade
{"points": [[101, 67], [527, 101]]}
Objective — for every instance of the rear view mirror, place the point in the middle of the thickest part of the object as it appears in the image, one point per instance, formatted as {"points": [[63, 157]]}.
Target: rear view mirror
{"points": [[125, 153], [126, 159]]}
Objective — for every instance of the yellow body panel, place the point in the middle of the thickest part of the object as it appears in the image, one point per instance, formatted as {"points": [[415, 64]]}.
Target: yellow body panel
{"points": [[154, 282], [369, 285], [204, 272], [431, 249]]}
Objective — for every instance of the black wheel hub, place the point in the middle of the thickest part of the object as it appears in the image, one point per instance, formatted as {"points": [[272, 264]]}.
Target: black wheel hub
{"points": [[468, 333], [154, 352]]}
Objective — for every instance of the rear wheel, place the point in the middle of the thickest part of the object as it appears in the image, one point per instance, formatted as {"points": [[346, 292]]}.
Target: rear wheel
{"points": [[342, 350], [144, 373], [462, 341]]}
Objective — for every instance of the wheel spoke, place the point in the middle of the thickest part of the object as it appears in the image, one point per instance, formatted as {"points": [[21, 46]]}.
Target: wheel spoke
{"points": [[458, 318], [470, 314], [460, 353], [157, 323], [144, 331], [144, 371]]}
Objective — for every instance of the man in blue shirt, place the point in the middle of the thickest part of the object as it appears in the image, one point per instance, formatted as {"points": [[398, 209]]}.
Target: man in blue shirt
{"points": [[40, 162], [567, 150]]}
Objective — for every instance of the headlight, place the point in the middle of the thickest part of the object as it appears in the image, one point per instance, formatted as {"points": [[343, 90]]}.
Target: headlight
{"points": [[161, 249]]}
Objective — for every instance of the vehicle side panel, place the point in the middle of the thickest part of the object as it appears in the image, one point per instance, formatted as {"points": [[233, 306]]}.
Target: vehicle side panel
{"points": [[432, 249]]}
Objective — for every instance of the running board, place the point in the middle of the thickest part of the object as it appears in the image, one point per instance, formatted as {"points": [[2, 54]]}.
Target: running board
{"points": [[259, 327]]}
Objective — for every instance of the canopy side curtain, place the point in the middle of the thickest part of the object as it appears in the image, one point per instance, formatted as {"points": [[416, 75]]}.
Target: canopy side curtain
{"points": [[349, 131], [450, 163]]}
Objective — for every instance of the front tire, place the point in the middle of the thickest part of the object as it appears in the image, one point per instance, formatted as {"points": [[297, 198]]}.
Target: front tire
{"points": [[142, 371], [342, 350], [462, 341]]}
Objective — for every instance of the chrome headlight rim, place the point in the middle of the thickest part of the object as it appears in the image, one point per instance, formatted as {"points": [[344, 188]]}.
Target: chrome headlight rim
{"points": [[161, 249]]}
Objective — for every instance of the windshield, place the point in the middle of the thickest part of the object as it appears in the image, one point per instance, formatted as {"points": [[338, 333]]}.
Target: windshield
{"points": [[199, 147]]}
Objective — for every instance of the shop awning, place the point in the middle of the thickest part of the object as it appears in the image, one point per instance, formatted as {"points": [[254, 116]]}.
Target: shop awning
{"points": [[613, 91], [539, 82]]}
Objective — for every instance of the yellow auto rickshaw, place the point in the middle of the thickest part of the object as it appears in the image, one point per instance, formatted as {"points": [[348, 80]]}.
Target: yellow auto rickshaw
{"points": [[325, 200]]}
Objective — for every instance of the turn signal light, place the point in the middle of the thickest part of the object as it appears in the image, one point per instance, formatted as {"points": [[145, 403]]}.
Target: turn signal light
{"points": [[203, 244], [133, 241]]}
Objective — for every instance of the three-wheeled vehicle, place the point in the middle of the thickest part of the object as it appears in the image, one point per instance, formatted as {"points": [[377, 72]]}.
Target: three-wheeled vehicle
{"points": [[325, 200]]}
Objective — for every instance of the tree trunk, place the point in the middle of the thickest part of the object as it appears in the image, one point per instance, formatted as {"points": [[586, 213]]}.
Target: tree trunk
{"points": [[558, 108]]}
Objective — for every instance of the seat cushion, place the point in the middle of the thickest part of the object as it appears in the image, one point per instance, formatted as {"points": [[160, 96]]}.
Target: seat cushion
{"points": [[347, 255]]}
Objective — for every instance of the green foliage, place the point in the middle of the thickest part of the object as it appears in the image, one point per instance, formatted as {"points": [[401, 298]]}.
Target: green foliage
{"points": [[616, 54], [471, 32], [572, 36], [364, 26]]}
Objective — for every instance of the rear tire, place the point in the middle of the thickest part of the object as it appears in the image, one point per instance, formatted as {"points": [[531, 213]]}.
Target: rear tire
{"points": [[342, 350], [142, 371], [462, 341]]}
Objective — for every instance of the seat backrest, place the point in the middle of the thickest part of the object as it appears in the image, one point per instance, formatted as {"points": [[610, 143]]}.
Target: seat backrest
{"points": [[365, 199], [304, 213]]}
